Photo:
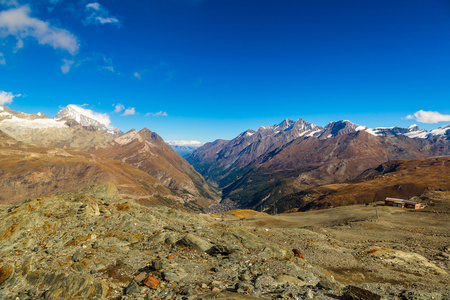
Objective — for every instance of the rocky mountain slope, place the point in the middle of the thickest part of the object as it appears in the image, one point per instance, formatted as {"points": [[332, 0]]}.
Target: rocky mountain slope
{"points": [[76, 128], [92, 244], [40, 130], [32, 171], [81, 116], [258, 168], [148, 152]]}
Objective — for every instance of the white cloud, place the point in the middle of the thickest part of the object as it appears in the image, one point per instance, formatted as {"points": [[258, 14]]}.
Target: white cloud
{"points": [[137, 75], [13, 3], [185, 143], [19, 45], [109, 68], [110, 20], [429, 117], [65, 68], [129, 112], [158, 114], [118, 108], [109, 64], [97, 14], [94, 5], [17, 22], [2, 59], [7, 97]]}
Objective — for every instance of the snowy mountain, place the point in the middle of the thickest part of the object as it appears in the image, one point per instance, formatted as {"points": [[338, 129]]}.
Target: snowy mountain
{"points": [[287, 127], [443, 131], [339, 127], [412, 131], [12, 118], [84, 117]]}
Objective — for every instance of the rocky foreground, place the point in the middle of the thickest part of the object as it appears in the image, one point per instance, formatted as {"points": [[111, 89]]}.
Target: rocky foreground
{"points": [[92, 244]]}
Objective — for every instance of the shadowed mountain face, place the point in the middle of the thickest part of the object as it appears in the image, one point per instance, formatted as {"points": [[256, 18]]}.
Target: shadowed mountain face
{"points": [[256, 169]]}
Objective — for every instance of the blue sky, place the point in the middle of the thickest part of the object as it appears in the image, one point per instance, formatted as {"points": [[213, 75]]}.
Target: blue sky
{"points": [[209, 69]]}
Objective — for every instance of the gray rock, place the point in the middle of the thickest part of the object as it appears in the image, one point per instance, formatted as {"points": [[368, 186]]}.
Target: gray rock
{"points": [[96, 244], [309, 294], [158, 264], [173, 275], [243, 287], [419, 295], [222, 249], [195, 242], [77, 256], [357, 293], [249, 240], [326, 285], [263, 281], [187, 290], [287, 279], [132, 288]]}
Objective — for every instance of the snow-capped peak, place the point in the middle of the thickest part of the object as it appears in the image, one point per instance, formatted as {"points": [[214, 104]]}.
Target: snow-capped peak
{"points": [[340, 127], [441, 131], [412, 131], [85, 117]]}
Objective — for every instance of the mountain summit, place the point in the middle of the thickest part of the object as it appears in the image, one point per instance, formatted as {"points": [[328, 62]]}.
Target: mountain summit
{"points": [[84, 117]]}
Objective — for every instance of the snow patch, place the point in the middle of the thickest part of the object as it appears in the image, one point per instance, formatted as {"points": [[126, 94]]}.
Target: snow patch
{"points": [[417, 134], [34, 124], [373, 132], [442, 131]]}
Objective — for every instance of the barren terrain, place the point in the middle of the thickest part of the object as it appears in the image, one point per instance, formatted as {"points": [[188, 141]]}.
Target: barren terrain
{"points": [[93, 244], [360, 236]]}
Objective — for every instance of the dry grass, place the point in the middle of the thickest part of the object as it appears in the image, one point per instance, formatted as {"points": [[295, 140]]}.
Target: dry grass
{"points": [[242, 213]]}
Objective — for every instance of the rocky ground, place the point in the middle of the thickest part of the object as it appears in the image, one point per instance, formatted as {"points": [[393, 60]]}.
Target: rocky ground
{"points": [[92, 244]]}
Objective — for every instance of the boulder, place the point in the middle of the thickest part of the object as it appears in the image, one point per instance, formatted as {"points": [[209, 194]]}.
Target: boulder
{"points": [[195, 242], [249, 240]]}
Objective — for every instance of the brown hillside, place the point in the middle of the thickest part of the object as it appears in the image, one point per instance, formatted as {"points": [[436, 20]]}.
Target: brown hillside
{"points": [[399, 179], [30, 171], [148, 152]]}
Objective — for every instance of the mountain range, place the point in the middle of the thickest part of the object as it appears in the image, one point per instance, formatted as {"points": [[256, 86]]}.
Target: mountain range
{"points": [[40, 155], [274, 165], [260, 167]]}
